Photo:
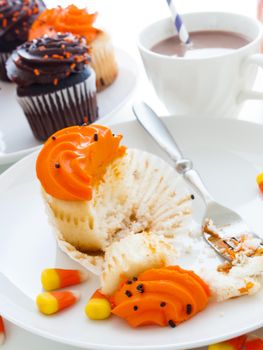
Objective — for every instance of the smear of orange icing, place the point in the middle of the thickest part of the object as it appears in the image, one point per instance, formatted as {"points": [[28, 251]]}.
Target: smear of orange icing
{"points": [[68, 20], [164, 296], [75, 159]]}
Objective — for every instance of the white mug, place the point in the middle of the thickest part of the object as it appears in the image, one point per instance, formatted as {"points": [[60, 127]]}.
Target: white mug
{"points": [[208, 86]]}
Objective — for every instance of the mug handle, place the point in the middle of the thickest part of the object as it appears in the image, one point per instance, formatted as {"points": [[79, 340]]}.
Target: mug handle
{"points": [[252, 94]]}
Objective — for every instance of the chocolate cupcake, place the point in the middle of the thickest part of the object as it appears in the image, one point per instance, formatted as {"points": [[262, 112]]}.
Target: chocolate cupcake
{"points": [[79, 21], [16, 18], [56, 86]]}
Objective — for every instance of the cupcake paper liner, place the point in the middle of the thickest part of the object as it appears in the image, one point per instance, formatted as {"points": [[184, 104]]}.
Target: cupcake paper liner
{"points": [[103, 61], [132, 255], [3, 58], [141, 193], [49, 112]]}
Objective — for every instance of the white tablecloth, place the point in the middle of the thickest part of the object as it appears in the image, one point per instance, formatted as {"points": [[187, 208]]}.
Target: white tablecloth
{"points": [[124, 19]]}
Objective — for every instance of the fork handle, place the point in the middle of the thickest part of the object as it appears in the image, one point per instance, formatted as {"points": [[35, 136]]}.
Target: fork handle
{"points": [[159, 132]]}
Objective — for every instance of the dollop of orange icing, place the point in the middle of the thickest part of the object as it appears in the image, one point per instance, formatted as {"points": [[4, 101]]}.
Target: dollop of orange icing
{"points": [[163, 297], [65, 20], [75, 159]]}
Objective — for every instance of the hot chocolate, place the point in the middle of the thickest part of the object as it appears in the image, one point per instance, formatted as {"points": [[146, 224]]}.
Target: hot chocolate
{"points": [[204, 44]]}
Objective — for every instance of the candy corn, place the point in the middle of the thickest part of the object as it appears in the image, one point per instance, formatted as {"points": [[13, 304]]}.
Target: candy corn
{"points": [[98, 307], [254, 344], [260, 181], [2, 331], [233, 344], [52, 302], [59, 278]]}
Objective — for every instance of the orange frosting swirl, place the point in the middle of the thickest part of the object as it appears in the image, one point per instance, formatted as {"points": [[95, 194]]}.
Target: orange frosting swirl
{"points": [[163, 297], [75, 159], [68, 20]]}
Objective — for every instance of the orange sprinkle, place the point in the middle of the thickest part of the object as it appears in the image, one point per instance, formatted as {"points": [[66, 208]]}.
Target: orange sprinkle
{"points": [[36, 72], [242, 290], [78, 58], [226, 267], [67, 54], [59, 57], [45, 57], [55, 82], [249, 285], [230, 253], [35, 10], [4, 23], [73, 65], [68, 73]]}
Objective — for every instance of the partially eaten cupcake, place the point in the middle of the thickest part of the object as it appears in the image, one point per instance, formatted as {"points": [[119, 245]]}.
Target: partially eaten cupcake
{"points": [[99, 193]]}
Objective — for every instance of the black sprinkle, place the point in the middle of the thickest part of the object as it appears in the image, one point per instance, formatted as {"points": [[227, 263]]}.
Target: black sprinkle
{"points": [[140, 288], [128, 293], [171, 323], [96, 137], [135, 279], [192, 197], [129, 282], [113, 135], [102, 81], [135, 308], [57, 165], [189, 309], [54, 138], [163, 304]]}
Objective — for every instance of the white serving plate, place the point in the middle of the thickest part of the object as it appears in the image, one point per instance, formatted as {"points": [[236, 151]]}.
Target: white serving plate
{"points": [[227, 153], [16, 138]]}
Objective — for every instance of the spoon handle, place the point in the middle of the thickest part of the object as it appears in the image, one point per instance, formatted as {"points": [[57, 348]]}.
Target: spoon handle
{"points": [[159, 132], [157, 129]]}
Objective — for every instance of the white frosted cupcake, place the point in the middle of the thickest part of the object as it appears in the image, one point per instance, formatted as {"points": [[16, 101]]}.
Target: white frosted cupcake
{"points": [[97, 192]]}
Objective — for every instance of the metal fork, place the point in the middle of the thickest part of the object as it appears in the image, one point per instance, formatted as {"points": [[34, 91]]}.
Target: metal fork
{"points": [[222, 228]]}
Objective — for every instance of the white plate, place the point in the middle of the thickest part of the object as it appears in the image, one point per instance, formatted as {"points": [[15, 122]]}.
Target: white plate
{"points": [[16, 138], [228, 155]]}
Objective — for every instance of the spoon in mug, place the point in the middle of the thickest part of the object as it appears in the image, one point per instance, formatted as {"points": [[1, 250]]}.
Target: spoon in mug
{"points": [[222, 228]]}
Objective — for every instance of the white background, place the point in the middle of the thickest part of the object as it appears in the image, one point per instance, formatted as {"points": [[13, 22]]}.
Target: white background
{"points": [[124, 19]]}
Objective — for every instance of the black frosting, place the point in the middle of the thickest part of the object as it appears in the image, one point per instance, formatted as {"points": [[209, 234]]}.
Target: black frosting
{"points": [[16, 17], [48, 60]]}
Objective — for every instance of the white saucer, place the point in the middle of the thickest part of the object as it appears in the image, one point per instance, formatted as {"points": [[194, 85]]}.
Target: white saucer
{"points": [[16, 138], [227, 153]]}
